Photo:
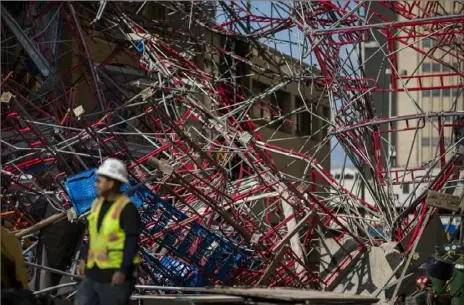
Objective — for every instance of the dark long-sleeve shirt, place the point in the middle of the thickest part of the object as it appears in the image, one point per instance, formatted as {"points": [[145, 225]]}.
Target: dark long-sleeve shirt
{"points": [[130, 223]]}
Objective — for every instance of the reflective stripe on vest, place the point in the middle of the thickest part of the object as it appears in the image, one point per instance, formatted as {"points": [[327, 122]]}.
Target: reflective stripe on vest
{"points": [[107, 244]]}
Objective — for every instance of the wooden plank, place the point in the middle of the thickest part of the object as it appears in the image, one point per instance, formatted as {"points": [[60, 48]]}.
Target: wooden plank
{"points": [[214, 298], [272, 266], [289, 294], [297, 228], [42, 224], [164, 167], [211, 299], [443, 201], [344, 270]]}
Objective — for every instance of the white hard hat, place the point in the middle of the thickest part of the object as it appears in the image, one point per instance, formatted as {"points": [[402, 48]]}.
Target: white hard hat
{"points": [[114, 169]]}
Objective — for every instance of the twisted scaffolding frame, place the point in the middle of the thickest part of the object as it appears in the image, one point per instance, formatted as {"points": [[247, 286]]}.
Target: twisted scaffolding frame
{"points": [[231, 187]]}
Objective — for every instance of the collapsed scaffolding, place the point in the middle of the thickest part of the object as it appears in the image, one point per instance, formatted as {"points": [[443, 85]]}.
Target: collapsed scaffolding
{"points": [[216, 207]]}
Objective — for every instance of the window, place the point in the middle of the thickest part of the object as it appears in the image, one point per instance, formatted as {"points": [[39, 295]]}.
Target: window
{"points": [[406, 188], [435, 141], [446, 68], [426, 67], [327, 115], [261, 108], [349, 177], [303, 118], [271, 107], [436, 67], [426, 93], [345, 177], [281, 101], [436, 92], [446, 92], [426, 42]]}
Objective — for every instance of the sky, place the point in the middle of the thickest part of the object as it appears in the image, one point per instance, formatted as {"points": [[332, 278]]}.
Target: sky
{"points": [[281, 43]]}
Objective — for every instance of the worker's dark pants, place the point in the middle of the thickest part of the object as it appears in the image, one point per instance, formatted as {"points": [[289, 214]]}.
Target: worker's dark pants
{"points": [[94, 293]]}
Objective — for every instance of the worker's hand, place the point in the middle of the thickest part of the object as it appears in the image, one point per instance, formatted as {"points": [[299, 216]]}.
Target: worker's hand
{"points": [[80, 268], [118, 278]]}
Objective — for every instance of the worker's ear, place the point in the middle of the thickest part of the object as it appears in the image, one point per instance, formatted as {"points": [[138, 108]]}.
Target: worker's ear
{"points": [[117, 185]]}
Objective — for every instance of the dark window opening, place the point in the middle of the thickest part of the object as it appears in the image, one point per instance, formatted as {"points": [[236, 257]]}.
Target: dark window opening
{"points": [[282, 103], [327, 115], [272, 107], [348, 177], [406, 188], [436, 67], [303, 118], [259, 110], [426, 42], [425, 67], [436, 92]]}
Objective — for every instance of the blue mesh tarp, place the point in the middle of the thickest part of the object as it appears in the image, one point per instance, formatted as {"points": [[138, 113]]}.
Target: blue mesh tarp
{"points": [[183, 273], [170, 271], [194, 243], [82, 192], [165, 215]]}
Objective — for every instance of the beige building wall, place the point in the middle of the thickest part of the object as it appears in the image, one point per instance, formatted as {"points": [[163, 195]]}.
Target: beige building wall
{"points": [[300, 132], [422, 146]]}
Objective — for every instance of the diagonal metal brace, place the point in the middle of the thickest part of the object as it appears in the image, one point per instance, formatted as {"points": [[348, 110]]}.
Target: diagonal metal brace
{"points": [[91, 66], [37, 57]]}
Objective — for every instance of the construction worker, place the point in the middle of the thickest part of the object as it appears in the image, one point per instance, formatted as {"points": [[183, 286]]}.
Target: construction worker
{"points": [[113, 227]]}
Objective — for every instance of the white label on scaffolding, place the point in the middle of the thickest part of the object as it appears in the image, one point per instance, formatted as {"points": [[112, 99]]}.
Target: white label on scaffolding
{"points": [[146, 93], [245, 137], [78, 111], [6, 97], [255, 238], [71, 214]]}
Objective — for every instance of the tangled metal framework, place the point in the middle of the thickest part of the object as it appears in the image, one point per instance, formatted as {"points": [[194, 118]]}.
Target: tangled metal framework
{"points": [[224, 210]]}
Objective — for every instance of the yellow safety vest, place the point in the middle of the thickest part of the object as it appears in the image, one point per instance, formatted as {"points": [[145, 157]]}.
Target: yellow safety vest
{"points": [[107, 245]]}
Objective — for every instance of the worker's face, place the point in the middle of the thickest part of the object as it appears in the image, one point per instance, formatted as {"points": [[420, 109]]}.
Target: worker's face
{"points": [[104, 186]]}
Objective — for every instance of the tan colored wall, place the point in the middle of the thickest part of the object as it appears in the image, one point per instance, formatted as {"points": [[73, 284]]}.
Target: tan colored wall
{"points": [[410, 60]]}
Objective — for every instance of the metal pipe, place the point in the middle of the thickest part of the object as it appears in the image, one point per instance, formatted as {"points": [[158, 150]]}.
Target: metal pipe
{"points": [[55, 287]]}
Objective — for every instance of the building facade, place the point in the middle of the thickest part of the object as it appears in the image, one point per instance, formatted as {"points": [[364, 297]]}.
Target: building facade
{"points": [[299, 130], [431, 85]]}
